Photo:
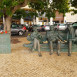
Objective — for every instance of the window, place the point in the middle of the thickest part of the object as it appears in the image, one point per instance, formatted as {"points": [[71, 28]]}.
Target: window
{"points": [[14, 26]]}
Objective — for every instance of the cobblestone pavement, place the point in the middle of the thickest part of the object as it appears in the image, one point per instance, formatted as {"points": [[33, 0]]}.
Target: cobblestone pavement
{"points": [[24, 63]]}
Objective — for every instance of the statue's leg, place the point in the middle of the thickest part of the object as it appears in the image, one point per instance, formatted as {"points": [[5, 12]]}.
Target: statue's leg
{"points": [[39, 52], [34, 44], [70, 48], [51, 47], [59, 47]]}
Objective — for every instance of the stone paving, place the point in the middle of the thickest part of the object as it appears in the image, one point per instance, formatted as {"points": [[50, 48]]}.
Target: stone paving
{"points": [[23, 63]]}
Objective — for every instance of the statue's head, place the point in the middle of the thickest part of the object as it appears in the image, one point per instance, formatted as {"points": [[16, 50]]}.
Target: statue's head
{"points": [[52, 27], [35, 29]]}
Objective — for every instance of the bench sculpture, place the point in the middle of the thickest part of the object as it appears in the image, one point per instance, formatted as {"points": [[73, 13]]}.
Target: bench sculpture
{"points": [[56, 40]]}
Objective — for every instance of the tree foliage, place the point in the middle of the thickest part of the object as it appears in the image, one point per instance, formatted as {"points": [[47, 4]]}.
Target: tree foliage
{"points": [[7, 6], [74, 3], [19, 13], [62, 5], [45, 6]]}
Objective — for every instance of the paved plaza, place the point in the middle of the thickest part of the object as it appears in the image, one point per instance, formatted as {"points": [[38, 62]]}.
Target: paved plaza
{"points": [[23, 63]]}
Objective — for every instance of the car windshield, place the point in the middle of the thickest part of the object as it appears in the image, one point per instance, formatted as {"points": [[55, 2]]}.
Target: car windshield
{"points": [[62, 24], [1, 27], [55, 24], [14, 26], [20, 26], [37, 25], [46, 25]]}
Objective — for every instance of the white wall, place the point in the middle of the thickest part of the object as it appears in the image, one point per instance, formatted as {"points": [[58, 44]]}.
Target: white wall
{"points": [[70, 17]]}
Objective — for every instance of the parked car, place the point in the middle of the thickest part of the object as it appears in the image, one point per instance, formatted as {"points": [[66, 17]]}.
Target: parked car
{"points": [[38, 27], [16, 29], [45, 27], [60, 26], [30, 28], [1, 27], [74, 25]]}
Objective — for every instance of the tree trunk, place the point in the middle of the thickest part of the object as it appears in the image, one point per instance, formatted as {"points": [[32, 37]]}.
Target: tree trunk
{"points": [[8, 24], [48, 21], [4, 23]]}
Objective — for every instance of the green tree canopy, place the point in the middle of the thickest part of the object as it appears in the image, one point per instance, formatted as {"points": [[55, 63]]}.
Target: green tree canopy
{"points": [[8, 8], [74, 3], [19, 13], [45, 6]]}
